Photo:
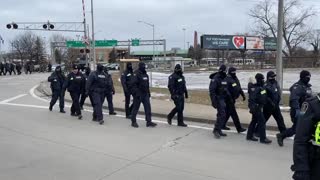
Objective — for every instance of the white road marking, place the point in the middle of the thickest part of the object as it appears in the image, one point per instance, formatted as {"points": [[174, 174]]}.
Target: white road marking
{"points": [[13, 98], [31, 92]]}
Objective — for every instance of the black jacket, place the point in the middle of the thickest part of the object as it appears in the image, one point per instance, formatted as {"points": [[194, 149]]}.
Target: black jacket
{"points": [[303, 150], [97, 82], [299, 92], [110, 87], [234, 87], [177, 85], [218, 88], [57, 80], [75, 82], [257, 97], [273, 92], [126, 77], [139, 84]]}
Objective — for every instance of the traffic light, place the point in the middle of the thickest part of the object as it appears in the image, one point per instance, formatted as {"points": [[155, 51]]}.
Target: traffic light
{"points": [[48, 26], [82, 51], [12, 25]]}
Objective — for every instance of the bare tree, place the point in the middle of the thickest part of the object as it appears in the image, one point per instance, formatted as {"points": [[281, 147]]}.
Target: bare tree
{"points": [[63, 52], [296, 20]]}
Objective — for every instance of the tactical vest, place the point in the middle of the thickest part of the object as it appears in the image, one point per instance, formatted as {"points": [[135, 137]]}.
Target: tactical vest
{"points": [[316, 135]]}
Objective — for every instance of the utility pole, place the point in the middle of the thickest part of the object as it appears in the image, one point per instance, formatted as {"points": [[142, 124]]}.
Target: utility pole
{"points": [[279, 63], [184, 38], [93, 40]]}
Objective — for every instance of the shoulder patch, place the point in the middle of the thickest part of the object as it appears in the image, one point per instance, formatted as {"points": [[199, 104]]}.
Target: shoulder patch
{"points": [[304, 107]]}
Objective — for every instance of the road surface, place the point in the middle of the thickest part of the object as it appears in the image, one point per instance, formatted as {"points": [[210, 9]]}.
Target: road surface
{"points": [[36, 144]]}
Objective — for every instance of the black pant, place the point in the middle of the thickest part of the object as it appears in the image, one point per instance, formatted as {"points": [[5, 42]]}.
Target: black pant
{"points": [[57, 94], [75, 107], [179, 102], [14, 71], [83, 99], [232, 112], [128, 107], [109, 97], [145, 100], [291, 131], [1, 72], [277, 115], [221, 115], [259, 121], [10, 72], [315, 166], [97, 102]]}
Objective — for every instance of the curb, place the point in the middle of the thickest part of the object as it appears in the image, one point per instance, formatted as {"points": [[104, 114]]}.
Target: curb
{"points": [[43, 91]]}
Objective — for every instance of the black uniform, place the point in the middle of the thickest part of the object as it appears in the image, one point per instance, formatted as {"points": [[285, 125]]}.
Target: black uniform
{"points": [[12, 68], [257, 101], [18, 67], [219, 94], [2, 69], [141, 94], [178, 91], [29, 68], [75, 84], [299, 92], [125, 81], [83, 93], [273, 103], [57, 80], [96, 88], [49, 67], [234, 87], [306, 148], [109, 92], [7, 68]]}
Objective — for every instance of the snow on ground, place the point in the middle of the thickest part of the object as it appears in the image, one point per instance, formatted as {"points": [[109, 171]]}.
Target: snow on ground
{"points": [[201, 80]]}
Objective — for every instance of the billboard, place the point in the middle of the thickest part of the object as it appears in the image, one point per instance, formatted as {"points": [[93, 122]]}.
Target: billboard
{"points": [[270, 44], [222, 42], [254, 43]]}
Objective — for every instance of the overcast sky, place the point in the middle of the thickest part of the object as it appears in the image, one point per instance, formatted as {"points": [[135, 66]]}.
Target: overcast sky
{"points": [[117, 19]]}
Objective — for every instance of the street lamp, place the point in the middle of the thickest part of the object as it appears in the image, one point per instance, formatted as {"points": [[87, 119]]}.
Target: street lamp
{"points": [[184, 38], [153, 53], [93, 39]]}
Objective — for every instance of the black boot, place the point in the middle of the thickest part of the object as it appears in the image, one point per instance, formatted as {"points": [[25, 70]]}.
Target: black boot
{"points": [[265, 141], [222, 134], [182, 124], [252, 139], [50, 108], [241, 130], [134, 124], [101, 122], [80, 117], [62, 111], [112, 113], [151, 124], [226, 128], [280, 139], [216, 134], [169, 120]]}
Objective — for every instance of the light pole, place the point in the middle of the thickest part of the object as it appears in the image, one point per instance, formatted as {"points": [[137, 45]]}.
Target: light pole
{"points": [[184, 38], [279, 44], [93, 40], [153, 45]]}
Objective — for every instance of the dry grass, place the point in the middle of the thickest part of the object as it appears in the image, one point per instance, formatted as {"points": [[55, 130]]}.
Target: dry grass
{"points": [[195, 96]]}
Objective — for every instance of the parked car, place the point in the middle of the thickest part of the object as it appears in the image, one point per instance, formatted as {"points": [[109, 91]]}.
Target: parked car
{"points": [[113, 66], [63, 67]]}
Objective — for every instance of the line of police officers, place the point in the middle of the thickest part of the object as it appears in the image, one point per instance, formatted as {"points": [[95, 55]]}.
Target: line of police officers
{"points": [[225, 89]]}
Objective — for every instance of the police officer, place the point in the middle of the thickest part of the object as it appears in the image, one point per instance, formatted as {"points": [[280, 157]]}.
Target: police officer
{"points": [[110, 91], [125, 81], [219, 93], [257, 100], [299, 92], [306, 148], [7, 68], [273, 103], [83, 93], [12, 68], [96, 88], [234, 87], [141, 94], [18, 67], [178, 91], [49, 67], [57, 80], [1, 69], [75, 84]]}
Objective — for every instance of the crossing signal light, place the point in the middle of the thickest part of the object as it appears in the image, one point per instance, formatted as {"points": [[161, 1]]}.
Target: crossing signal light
{"points": [[12, 25]]}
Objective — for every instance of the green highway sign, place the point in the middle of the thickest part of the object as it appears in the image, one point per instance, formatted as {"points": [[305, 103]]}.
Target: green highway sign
{"points": [[135, 42], [106, 43], [99, 43], [75, 44]]}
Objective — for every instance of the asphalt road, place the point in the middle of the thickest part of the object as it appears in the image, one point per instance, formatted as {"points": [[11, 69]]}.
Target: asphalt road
{"points": [[36, 144]]}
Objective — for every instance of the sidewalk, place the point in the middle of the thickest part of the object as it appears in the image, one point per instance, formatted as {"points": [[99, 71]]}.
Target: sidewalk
{"points": [[192, 112]]}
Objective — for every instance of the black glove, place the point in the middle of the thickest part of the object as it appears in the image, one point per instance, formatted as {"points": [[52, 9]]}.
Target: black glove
{"points": [[186, 95], [298, 113], [113, 92], [301, 175], [244, 98]]}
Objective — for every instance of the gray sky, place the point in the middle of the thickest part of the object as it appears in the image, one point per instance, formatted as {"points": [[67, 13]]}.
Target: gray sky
{"points": [[117, 19]]}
